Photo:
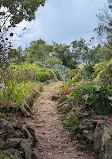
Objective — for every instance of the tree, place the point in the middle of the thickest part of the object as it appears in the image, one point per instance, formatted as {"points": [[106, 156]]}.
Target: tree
{"points": [[104, 29], [79, 49], [38, 51], [94, 54], [63, 52], [13, 12], [52, 62]]}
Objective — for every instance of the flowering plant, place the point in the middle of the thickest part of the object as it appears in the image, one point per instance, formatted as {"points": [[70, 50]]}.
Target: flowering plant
{"points": [[65, 91], [72, 73]]}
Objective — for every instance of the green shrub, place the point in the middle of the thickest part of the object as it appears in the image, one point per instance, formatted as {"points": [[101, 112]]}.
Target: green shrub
{"points": [[77, 78], [69, 83], [72, 124], [43, 76], [27, 72], [24, 72], [58, 74], [2, 115], [16, 92], [2, 155], [88, 70], [95, 96], [103, 72]]}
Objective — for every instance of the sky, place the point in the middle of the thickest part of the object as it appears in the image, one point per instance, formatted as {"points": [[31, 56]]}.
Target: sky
{"points": [[61, 21]]}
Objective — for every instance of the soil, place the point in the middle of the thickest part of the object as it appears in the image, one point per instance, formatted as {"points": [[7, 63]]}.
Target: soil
{"points": [[53, 138]]}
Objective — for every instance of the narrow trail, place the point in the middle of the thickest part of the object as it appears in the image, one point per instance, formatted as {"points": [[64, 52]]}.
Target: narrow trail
{"points": [[53, 138]]}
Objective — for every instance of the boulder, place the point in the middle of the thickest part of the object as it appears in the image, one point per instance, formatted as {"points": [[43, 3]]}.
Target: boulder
{"points": [[88, 134], [12, 143], [86, 124], [36, 93], [10, 132], [12, 154], [108, 150], [26, 148], [17, 125], [3, 123], [98, 139], [24, 111], [105, 138], [29, 133], [55, 97]]}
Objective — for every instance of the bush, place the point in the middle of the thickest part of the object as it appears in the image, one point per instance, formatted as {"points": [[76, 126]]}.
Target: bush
{"points": [[72, 124], [72, 73], [26, 73], [43, 76], [58, 74], [103, 72], [95, 96], [15, 93], [77, 78], [88, 70], [23, 72]]}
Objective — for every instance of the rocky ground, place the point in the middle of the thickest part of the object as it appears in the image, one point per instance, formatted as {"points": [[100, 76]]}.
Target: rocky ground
{"points": [[53, 138], [40, 133]]}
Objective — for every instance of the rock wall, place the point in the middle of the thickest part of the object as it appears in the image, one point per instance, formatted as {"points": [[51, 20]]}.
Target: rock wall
{"points": [[18, 141], [92, 133]]}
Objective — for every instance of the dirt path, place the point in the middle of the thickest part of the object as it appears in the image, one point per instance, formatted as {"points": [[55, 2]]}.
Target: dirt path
{"points": [[53, 138]]}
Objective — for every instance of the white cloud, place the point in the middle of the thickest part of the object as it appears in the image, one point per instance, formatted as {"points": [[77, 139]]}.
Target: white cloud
{"points": [[62, 21]]}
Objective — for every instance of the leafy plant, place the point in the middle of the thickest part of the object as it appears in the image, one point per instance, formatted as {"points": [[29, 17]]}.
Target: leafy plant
{"points": [[2, 115], [72, 124], [95, 96], [88, 69], [58, 74], [16, 92], [2, 156], [43, 76]]}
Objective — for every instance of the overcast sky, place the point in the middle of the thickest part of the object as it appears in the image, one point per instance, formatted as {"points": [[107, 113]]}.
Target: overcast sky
{"points": [[61, 21]]}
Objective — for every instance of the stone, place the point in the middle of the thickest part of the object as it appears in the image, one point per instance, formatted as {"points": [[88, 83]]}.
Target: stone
{"points": [[3, 122], [98, 139], [36, 93], [105, 138], [97, 117], [10, 132], [63, 98], [55, 97], [83, 114], [40, 87], [24, 111], [16, 156], [37, 154], [108, 150], [32, 133], [88, 134], [28, 108], [26, 133], [17, 125], [12, 143], [25, 145], [1, 142], [83, 147], [12, 154], [47, 82], [66, 108], [86, 124]]}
